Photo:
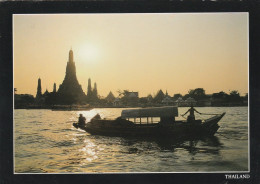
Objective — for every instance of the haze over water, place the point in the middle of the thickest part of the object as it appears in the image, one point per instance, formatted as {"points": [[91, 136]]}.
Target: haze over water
{"points": [[46, 142]]}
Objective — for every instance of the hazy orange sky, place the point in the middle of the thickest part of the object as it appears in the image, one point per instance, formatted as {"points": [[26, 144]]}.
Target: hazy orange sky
{"points": [[138, 52]]}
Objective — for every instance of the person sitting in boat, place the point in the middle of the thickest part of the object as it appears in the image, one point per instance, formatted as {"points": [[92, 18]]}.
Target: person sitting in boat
{"points": [[191, 117], [82, 120]]}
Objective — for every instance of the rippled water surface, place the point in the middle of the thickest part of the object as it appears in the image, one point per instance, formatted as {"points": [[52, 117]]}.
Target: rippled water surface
{"points": [[46, 141]]}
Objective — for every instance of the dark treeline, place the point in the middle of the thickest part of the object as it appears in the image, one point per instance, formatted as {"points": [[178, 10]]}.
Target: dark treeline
{"points": [[216, 99], [125, 98]]}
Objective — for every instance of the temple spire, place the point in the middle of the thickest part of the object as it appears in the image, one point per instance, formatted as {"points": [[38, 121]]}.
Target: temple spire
{"points": [[71, 56], [95, 90], [70, 91]]}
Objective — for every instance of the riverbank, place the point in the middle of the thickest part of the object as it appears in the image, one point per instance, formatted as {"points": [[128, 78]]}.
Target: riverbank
{"points": [[89, 107]]}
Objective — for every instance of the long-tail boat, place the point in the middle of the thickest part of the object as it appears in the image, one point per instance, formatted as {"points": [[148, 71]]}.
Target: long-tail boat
{"points": [[151, 122]]}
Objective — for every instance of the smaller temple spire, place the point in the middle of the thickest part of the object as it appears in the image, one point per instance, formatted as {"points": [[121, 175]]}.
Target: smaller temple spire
{"points": [[46, 92], [89, 92], [95, 90], [54, 87], [95, 86], [39, 89]]}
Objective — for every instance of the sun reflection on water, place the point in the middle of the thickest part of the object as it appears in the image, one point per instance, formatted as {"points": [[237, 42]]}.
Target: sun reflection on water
{"points": [[89, 151]]}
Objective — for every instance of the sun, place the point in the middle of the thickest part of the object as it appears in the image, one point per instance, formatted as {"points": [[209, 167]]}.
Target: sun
{"points": [[87, 53]]}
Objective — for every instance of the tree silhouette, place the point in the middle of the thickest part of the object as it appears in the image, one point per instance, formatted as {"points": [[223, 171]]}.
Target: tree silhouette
{"points": [[197, 94], [176, 96], [234, 97]]}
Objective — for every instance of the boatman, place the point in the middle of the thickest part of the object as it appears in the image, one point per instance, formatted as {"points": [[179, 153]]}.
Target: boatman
{"points": [[82, 120], [191, 117]]}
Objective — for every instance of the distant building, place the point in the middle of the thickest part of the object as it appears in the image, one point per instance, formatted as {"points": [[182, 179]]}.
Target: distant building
{"points": [[131, 98], [117, 102], [132, 94], [167, 99], [159, 97], [110, 97], [190, 101], [180, 102], [149, 98]]}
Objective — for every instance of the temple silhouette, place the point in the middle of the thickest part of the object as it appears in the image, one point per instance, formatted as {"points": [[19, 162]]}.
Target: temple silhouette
{"points": [[70, 91], [70, 87]]}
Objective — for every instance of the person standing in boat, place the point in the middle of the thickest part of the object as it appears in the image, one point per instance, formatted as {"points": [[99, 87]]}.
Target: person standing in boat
{"points": [[82, 120], [191, 117]]}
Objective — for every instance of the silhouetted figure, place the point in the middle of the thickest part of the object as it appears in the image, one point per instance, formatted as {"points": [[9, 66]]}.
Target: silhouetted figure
{"points": [[191, 117], [82, 120]]}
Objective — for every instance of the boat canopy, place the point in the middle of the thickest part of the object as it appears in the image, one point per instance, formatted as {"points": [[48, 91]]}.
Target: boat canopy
{"points": [[169, 111]]}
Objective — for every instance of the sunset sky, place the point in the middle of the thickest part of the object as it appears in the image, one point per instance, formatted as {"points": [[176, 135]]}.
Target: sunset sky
{"points": [[138, 52]]}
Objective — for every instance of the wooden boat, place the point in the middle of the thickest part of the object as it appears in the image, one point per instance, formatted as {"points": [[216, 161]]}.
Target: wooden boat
{"points": [[131, 123]]}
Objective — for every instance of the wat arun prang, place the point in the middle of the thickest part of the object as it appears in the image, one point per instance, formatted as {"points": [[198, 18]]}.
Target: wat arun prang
{"points": [[70, 91]]}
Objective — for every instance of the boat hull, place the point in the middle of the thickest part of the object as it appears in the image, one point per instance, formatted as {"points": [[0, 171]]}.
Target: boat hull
{"points": [[125, 128]]}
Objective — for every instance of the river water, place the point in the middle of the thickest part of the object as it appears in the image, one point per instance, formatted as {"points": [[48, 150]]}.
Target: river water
{"points": [[46, 142]]}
